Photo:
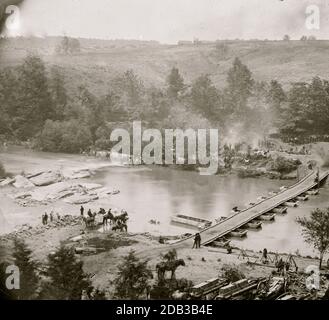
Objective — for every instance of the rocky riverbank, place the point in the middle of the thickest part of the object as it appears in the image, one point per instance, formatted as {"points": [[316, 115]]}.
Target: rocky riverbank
{"points": [[46, 187]]}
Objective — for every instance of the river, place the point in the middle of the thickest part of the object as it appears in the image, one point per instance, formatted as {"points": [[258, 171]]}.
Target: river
{"points": [[157, 193]]}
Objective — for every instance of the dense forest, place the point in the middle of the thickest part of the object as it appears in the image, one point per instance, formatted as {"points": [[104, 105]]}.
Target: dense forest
{"points": [[36, 106]]}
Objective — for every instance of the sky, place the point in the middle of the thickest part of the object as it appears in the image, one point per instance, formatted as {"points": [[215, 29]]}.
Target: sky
{"points": [[168, 21]]}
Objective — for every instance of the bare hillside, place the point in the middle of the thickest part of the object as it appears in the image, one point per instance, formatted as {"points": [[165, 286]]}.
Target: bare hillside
{"points": [[99, 60]]}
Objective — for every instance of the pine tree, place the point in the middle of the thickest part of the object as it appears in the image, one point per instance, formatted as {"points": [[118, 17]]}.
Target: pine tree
{"points": [[206, 98], [132, 279], [240, 86], [130, 90], [58, 93], [29, 280], [34, 104], [175, 83], [276, 96], [67, 280]]}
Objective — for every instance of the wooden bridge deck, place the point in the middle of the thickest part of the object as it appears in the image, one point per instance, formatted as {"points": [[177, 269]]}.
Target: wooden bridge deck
{"points": [[240, 219]]}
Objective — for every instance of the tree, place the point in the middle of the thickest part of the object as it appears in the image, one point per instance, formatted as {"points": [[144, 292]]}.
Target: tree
{"points": [[63, 47], [34, 103], [156, 106], [307, 111], [66, 275], [175, 83], [206, 98], [294, 119], [286, 37], [303, 38], [58, 92], [29, 280], [129, 90], [276, 96], [68, 46], [316, 230], [9, 96], [74, 46], [67, 136], [240, 86], [221, 49], [92, 111], [132, 279]]}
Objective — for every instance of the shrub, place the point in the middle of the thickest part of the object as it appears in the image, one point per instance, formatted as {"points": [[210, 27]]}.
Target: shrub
{"points": [[231, 273], [133, 278], [67, 279], [282, 165], [248, 173], [163, 290], [29, 280], [68, 136]]}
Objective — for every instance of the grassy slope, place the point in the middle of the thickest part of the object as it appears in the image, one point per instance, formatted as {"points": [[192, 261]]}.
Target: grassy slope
{"points": [[100, 61]]}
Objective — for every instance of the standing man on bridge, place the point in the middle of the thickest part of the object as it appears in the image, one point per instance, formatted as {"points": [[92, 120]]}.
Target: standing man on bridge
{"points": [[197, 241]]}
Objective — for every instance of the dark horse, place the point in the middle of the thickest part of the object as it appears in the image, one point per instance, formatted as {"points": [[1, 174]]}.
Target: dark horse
{"points": [[120, 226], [106, 216], [164, 266], [118, 222]]}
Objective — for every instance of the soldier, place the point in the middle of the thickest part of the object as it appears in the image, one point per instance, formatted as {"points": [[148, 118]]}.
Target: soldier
{"points": [[46, 218]]}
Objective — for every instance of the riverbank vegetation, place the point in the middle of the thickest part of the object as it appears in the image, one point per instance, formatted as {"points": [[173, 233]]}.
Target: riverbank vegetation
{"points": [[316, 231], [37, 106], [61, 277]]}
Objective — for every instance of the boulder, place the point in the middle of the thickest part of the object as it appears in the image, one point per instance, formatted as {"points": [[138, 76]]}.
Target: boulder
{"points": [[77, 238], [77, 174], [90, 186], [22, 182], [34, 173], [88, 250], [46, 178], [22, 195], [81, 198], [104, 192], [53, 192]]}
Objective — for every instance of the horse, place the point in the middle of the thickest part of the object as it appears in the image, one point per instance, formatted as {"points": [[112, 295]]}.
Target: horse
{"points": [[164, 266], [89, 220], [123, 216], [107, 216], [121, 227]]}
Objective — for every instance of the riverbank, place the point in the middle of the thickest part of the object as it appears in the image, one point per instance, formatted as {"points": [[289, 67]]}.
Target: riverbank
{"points": [[103, 252]]}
